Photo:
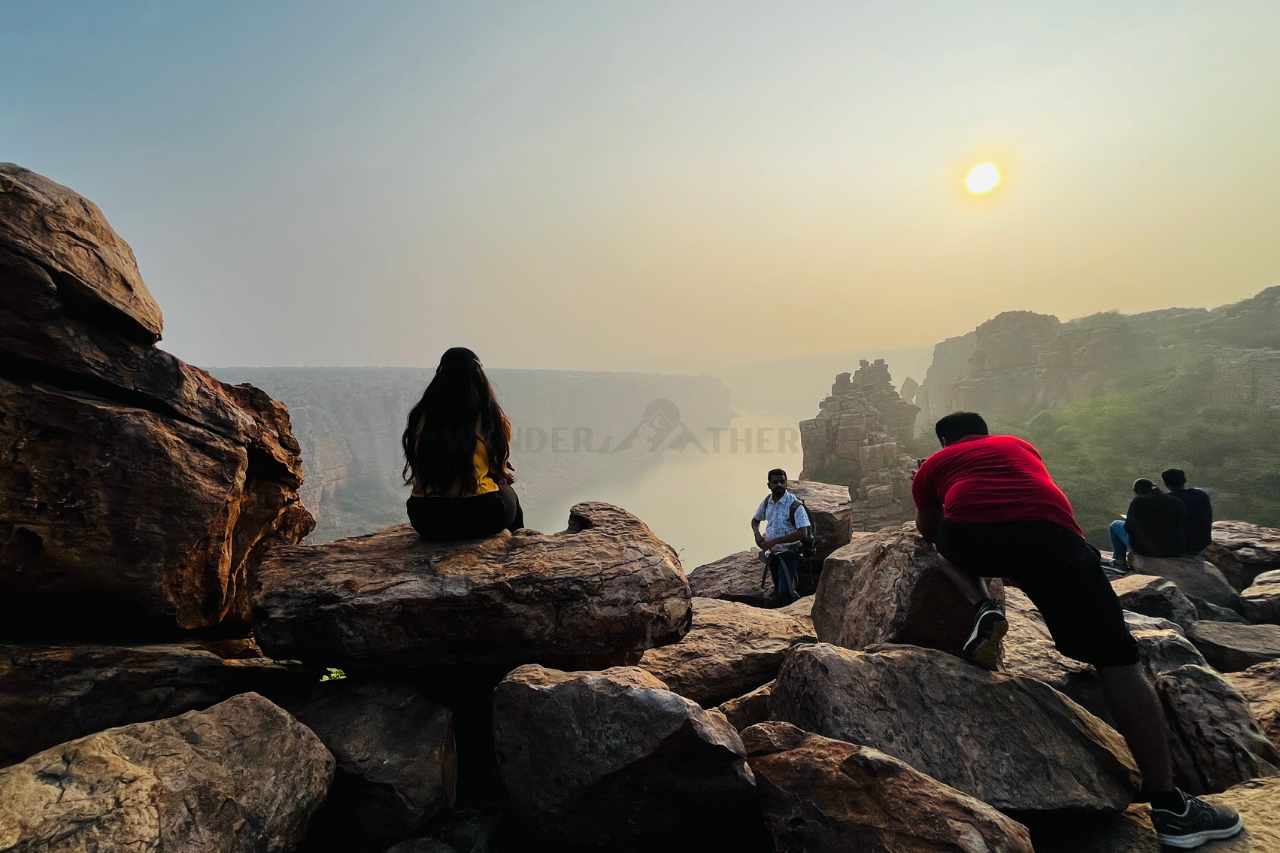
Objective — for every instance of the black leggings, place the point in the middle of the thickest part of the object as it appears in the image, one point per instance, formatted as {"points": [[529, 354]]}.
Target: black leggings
{"points": [[473, 517]]}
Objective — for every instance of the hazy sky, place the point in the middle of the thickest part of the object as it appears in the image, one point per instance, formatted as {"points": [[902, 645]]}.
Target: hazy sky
{"points": [[610, 185]]}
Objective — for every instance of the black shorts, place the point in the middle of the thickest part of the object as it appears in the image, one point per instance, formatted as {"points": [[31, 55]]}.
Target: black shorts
{"points": [[1062, 575]]}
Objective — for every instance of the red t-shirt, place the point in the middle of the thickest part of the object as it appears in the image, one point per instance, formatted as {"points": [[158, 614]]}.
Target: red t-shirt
{"points": [[990, 479]]}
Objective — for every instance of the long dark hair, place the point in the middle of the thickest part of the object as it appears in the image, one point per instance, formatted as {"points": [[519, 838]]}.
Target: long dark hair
{"points": [[440, 439]]}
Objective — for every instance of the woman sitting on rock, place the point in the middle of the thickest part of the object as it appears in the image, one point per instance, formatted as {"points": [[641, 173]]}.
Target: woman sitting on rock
{"points": [[457, 449]]}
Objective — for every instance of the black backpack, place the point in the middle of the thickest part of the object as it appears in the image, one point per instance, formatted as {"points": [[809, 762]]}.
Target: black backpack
{"points": [[808, 543]]}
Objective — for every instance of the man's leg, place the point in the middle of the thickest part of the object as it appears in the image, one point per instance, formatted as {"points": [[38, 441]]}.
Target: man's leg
{"points": [[973, 588], [1139, 716], [789, 563], [1119, 543]]}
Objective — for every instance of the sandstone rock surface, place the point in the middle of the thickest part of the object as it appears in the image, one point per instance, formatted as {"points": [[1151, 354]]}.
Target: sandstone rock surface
{"points": [[107, 439], [983, 733], [1255, 800], [890, 589], [732, 648], [614, 759], [1151, 595], [605, 588], [1230, 647], [55, 693], [1262, 598], [1243, 550], [1260, 687], [1197, 578], [749, 708], [397, 765], [242, 776], [1214, 739], [825, 795], [53, 228], [736, 577]]}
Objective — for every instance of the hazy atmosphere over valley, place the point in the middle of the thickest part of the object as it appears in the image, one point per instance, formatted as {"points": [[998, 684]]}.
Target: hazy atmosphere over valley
{"points": [[823, 426]]}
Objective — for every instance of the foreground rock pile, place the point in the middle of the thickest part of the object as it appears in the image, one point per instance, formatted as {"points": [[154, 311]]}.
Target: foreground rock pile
{"points": [[531, 691]]}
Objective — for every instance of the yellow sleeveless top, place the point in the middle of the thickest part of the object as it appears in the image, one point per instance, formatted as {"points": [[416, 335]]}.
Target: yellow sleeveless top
{"points": [[484, 482]]}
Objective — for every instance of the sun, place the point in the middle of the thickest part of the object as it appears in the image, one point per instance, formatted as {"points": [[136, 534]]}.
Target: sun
{"points": [[982, 178]]}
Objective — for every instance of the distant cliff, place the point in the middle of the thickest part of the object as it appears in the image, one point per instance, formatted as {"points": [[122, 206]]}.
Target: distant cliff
{"points": [[1020, 363], [349, 422]]}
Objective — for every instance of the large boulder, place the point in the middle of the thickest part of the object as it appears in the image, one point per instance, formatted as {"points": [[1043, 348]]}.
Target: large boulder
{"points": [[605, 589], [731, 648], [1230, 647], [1262, 598], [990, 735], [802, 609], [1260, 687], [397, 766], [891, 589], [1243, 551], [736, 577], [54, 693], [108, 439], [613, 758], [1151, 595], [838, 571], [1214, 739], [1199, 579], [825, 795], [241, 777]]}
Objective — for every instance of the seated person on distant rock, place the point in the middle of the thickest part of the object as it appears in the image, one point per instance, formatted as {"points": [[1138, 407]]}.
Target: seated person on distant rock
{"points": [[1119, 544], [457, 449], [1199, 526], [784, 535], [1155, 522], [992, 509]]}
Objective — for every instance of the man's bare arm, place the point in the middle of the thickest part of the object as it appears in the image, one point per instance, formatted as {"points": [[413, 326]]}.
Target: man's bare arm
{"points": [[928, 519]]}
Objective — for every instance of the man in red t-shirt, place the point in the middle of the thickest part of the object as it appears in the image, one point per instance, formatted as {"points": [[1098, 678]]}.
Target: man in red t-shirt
{"points": [[991, 508]]}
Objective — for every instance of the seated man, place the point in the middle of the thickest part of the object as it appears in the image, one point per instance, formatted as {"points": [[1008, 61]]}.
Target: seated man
{"points": [[784, 534], [1155, 522], [992, 509], [1199, 527]]}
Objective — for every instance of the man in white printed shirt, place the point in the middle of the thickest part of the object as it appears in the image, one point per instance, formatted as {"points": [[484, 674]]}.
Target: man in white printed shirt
{"points": [[784, 532]]}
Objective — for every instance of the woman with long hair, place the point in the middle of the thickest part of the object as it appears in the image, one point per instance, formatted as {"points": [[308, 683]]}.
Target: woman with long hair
{"points": [[457, 450]]}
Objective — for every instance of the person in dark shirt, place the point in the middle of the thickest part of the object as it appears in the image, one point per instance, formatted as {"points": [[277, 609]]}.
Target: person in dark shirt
{"points": [[1199, 527], [990, 506], [1156, 522]]}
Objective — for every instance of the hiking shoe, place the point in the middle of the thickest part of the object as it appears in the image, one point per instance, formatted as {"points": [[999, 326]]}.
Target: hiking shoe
{"points": [[983, 646], [1199, 823]]}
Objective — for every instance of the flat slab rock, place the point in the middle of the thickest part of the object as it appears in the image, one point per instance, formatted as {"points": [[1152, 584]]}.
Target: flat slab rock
{"points": [[613, 758], [890, 588], [1230, 647], [732, 648], [1262, 598], [1260, 687], [734, 578], [1243, 551], [827, 796], [58, 692], [605, 588], [242, 777], [987, 734]]}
